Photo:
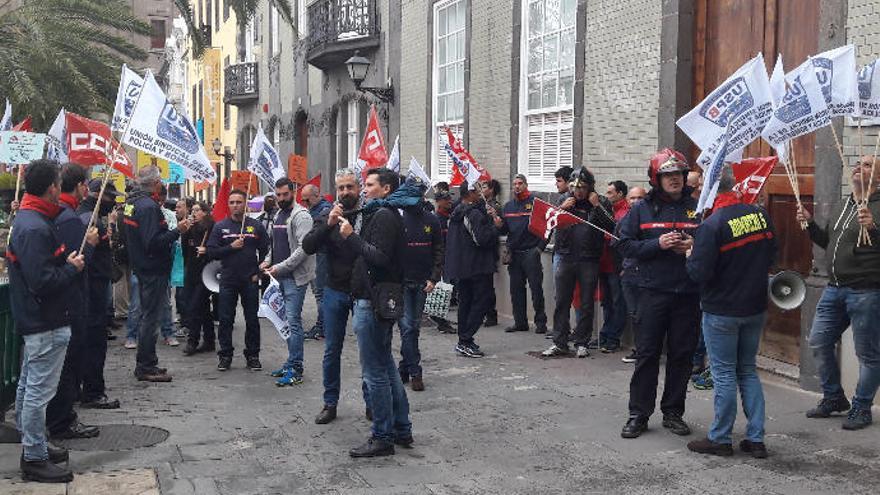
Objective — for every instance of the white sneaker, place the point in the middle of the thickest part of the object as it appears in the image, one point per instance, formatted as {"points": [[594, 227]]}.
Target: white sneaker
{"points": [[130, 344], [171, 341], [554, 350], [582, 351]]}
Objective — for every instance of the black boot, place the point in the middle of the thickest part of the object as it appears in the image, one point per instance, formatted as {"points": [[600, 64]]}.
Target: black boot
{"points": [[373, 447], [58, 455], [326, 415], [44, 472]]}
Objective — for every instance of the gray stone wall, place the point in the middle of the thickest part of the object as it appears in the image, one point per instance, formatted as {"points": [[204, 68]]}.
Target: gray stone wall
{"points": [[414, 86]]}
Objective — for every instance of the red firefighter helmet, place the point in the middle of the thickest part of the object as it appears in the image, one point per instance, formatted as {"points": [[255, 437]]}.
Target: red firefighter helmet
{"points": [[666, 161]]}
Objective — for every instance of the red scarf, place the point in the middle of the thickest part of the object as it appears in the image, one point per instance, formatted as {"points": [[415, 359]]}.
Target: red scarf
{"points": [[40, 205], [444, 214], [69, 199], [726, 199], [523, 195]]}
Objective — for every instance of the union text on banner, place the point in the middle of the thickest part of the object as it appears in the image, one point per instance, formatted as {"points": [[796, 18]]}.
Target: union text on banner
{"points": [[373, 153], [713, 176], [272, 308], [21, 147], [835, 71], [869, 90], [546, 217], [89, 143], [130, 85], [802, 110], [159, 129], [750, 175], [264, 161]]}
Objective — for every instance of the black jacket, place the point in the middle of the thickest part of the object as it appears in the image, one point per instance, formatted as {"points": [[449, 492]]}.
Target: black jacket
{"points": [[731, 258], [324, 238], [71, 230], [471, 242], [848, 265], [423, 257], [238, 265], [379, 248], [100, 266], [147, 236], [640, 232], [40, 279], [193, 238], [582, 242], [516, 215]]}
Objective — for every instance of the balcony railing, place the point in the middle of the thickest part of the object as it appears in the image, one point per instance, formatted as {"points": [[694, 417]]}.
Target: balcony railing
{"points": [[242, 85], [339, 27]]}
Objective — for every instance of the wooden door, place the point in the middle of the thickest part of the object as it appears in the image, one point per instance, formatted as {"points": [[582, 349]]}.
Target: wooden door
{"points": [[728, 33]]}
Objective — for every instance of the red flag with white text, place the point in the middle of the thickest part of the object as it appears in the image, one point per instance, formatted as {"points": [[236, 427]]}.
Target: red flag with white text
{"points": [[90, 142], [546, 217], [373, 153], [462, 160], [750, 175]]}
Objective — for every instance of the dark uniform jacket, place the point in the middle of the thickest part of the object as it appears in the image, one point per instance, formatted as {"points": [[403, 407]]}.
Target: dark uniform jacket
{"points": [[238, 266], [423, 256], [516, 215], [471, 242], [147, 236]]}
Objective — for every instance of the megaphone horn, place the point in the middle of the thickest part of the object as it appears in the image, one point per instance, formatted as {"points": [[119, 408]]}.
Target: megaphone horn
{"points": [[211, 276], [787, 290]]}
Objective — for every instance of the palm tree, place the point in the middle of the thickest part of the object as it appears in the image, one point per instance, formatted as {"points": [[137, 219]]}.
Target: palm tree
{"points": [[65, 53], [244, 12]]}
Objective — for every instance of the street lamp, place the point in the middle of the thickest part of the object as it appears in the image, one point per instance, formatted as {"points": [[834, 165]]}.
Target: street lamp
{"points": [[227, 155], [357, 71]]}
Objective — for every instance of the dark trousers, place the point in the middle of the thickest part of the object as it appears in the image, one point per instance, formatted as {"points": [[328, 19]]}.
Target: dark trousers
{"points": [[59, 413], [94, 351], [200, 321], [250, 299], [631, 297], [675, 320], [525, 266], [569, 274], [474, 299], [153, 290]]}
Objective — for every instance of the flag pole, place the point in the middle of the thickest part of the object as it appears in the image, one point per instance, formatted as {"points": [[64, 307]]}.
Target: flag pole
{"points": [[14, 198], [252, 177]]}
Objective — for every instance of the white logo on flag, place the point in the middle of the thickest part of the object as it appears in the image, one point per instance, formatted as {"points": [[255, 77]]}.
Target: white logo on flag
{"points": [[264, 160]]}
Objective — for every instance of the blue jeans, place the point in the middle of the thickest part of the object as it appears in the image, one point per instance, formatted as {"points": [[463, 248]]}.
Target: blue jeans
{"points": [[294, 296], [733, 345], [839, 308], [153, 291], [387, 397], [613, 310], [42, 359], [336, 307], [249, 292], [414, 296], [134, 313]]}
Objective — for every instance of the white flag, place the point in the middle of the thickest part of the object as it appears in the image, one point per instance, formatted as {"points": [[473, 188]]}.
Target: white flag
{"points": [[57, 139], [6, 123], [777, 89], [130, 85], [264, 160], [415, 168], [740, 108], [394, 159], [869, 90], [158, 129], [802, 110], [272, 308], [713, 178], [836, 72]]}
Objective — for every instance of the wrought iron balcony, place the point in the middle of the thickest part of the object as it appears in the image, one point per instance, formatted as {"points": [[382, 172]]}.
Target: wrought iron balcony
{"points": [[242, 85], [337, 28]]}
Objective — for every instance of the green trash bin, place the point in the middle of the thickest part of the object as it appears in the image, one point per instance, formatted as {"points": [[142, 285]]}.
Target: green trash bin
{"points": [[10, 349]]}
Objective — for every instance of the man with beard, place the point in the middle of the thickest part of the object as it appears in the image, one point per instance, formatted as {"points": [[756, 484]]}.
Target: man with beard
{"points": [[312, 199]]}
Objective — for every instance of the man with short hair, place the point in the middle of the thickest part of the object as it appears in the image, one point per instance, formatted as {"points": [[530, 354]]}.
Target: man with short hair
{"points": [[613, 302], [695, 182], [490, 191], [442, 211], [312, 199], [294, 270], [239, 242], [628, 284], [525, 257], [40, 280]]}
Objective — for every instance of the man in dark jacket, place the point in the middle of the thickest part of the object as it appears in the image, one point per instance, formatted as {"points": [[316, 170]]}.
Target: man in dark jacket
{"points": [[311, 197], [337, 302], [443, 210], [149, 242], [657, 232], [377, 274], [852, 298], [472, 242], [579, 248], [200, 321], [491, 191], [732, 254], [240, 248], [525, 257], [40, 281]]}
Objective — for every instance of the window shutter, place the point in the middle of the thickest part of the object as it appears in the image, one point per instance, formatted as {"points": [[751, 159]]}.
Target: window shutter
{"points": [[550, 143]]}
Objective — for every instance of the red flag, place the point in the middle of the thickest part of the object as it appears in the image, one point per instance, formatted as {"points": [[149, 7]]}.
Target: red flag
{"points": [[461, 161], [24, 125], [546, 217], [90, 142], [221, 206], [750, 175], [373, 153], [315, 181]]}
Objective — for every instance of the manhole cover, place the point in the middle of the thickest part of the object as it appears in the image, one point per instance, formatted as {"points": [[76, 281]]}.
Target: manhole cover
{"points": [[118, 437]]}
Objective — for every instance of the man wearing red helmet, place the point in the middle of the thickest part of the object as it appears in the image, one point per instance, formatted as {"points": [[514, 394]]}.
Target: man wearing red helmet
{"points": [[656, 233]]}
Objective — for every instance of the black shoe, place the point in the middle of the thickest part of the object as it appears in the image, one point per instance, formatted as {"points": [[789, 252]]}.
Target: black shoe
{"points": [[593, 344], [368, 414], [101, 403], [541, 329], [206, 347], [405, 442], [373, 447], [57, 455], [757, 449], [110, 335], [404, 376], [224, 363], [609, 349], [254, 364], [676, 425], [76, 430], [418, 385], [316, 333], [189, 349], [706, 446], [326, 415], [827, 407], [515, 328], [157, 376], [629, 358], [634, 427], [857, 419], [44, 472], [491, 321]]}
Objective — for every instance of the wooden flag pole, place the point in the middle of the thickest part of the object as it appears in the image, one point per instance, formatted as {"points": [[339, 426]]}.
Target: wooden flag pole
{"points": [[251, 178], [14, 198]]}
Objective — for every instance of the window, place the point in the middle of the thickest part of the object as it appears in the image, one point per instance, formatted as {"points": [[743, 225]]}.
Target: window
{"points": [[157, 35], [448, 77], [274, 42], [302, 23], [352, 134], [547, 88]]}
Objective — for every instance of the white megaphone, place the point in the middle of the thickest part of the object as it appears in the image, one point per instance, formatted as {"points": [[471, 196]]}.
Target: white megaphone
{"points": [[787, 289], [211, 276]]}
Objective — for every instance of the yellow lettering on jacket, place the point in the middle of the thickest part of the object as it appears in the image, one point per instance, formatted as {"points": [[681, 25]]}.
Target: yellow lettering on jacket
{"points": [[747, 224]]}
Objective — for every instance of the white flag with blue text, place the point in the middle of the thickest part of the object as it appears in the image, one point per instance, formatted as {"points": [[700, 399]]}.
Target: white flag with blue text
{"points": [[272, 308], [56, 139], [415, 168], [130, 86], [264, 160], [802, 110], [835, 71]]}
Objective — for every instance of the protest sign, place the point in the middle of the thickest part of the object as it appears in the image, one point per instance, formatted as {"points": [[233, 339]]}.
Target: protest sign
{"points": [[18, 147], [803, 109], [835, 71], [130, 85], [240, 180], [264, 160], [297, 168], [116, 177]]}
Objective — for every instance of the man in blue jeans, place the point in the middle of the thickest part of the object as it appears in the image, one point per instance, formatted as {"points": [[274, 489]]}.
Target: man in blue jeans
{"points": [[294, 270], [39, 278], [312, 199], [852, 298], [732, 253]]}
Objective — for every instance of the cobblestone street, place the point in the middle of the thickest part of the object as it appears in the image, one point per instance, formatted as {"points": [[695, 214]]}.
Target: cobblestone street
{"points": [[509, 423]]}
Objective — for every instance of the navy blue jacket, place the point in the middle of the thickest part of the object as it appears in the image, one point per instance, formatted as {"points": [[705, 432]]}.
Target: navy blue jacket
{"points": [[40, 279], [100, 265], [147, 235], [423, 256], [71, 230], [640, 232], [731, 258], [238, 265], [319, 208], [515, 216], [471, 242], [582, 242]]}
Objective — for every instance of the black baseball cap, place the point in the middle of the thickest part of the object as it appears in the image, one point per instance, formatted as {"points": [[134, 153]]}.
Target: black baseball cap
{"points": [[109, 189]]}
